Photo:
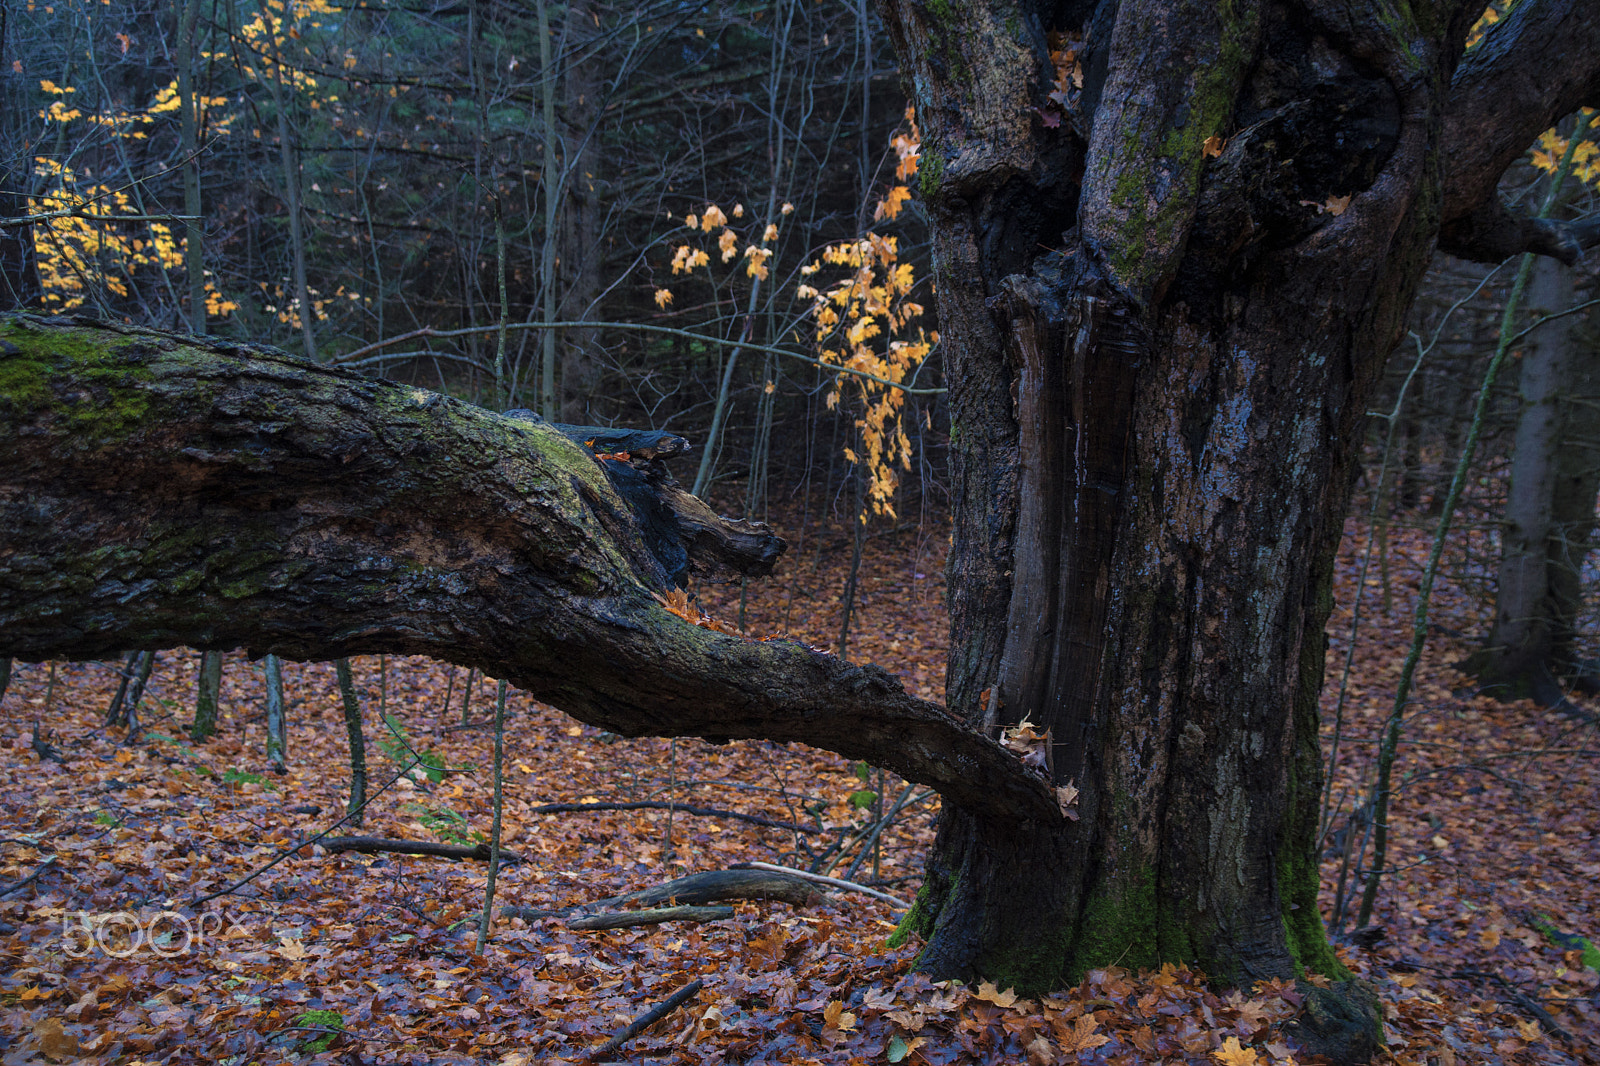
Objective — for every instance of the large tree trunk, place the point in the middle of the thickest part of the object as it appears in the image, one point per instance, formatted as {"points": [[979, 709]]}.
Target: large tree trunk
{"points": [[1170, 268], [158, 491]]}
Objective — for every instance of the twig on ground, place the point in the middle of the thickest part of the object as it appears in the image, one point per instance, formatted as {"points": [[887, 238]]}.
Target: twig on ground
{"points": [[683, 808], [654, 916], [30, 879], [487, 723], [286, 852], [1521, 998], [648, 1018]]}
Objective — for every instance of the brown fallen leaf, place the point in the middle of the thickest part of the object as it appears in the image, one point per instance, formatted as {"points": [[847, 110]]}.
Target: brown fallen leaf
{"points": [[1041, 1052], [989, 993], [54, 1040], [1067, 797]]}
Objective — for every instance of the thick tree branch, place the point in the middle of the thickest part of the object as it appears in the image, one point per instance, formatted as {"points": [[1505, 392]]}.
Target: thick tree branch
{"points": [[155, 491], [1538, 64]]}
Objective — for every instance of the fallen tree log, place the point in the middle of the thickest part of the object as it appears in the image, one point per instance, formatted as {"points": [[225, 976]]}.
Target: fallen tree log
{"points": [[158, 491]]}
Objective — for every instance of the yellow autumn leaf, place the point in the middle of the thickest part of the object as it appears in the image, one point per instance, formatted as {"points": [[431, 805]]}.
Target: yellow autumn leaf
{"points": [[729, 243], [757, 267], [712, 218], [1232, 1053], [889, 206], [663, 298]]}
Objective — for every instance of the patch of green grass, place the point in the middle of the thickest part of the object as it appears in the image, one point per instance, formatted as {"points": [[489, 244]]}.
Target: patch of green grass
{"points": [[446, 823], [326, 1019], [241, 777], [397, 745]]}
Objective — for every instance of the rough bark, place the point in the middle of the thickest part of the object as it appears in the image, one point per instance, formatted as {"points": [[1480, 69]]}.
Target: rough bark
{"points": [[1166, 293], [157, 491]]}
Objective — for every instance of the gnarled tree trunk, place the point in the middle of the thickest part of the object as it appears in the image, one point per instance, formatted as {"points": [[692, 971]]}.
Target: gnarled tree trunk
{"points": [[1175, 242]]}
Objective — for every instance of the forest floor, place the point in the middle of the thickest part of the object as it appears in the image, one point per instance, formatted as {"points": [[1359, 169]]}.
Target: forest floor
{"points": [[350, 958]]}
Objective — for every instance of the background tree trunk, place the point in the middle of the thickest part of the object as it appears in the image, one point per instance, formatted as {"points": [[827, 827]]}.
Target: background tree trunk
{"points": [[1516, 660], [207, 691], [358, 742], [1573, 512], [277, 723], [1529, 650], [19, 269]]}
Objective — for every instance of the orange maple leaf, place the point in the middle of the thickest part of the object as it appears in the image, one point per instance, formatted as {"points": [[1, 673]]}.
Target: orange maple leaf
{"points": [[1082, 1036]]}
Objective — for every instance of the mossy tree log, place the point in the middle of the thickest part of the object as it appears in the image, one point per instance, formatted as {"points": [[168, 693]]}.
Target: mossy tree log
{"points": [[1174, 243], [158, 491]]}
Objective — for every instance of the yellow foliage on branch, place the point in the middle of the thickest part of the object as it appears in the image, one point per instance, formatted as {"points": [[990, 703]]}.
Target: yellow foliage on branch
{"points": [[1547, 155], [864, 321]]}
